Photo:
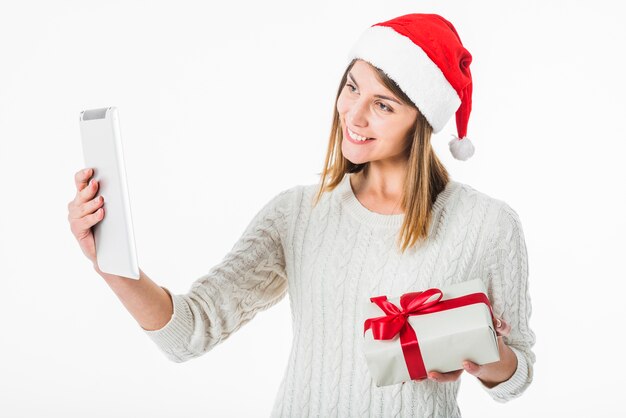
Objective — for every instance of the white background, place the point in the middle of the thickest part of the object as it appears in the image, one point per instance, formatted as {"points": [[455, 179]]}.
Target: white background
{"points": [[223, 105]]}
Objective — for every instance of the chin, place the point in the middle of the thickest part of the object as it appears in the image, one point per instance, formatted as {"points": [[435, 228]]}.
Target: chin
{"points": [[354, 159], [356, 162]]}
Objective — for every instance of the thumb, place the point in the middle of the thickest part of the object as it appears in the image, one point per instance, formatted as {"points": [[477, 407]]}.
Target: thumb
{"points": [[472, 368]]}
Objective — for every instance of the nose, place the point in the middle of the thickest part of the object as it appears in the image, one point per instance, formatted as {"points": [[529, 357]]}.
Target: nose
{"points": [[357, 115]]}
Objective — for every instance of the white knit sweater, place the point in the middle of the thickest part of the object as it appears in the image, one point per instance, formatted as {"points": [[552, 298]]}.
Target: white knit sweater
{"points": [[332, 257]]}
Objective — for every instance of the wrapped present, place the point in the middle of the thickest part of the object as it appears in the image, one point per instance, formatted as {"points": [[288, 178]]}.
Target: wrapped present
{"points": [[433, 330]]}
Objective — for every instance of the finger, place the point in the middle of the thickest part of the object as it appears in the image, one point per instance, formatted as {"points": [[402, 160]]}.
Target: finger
{"points": [[82, 225], [82, 177], [84, 202], [502, 328], [445, 377], [88, 192], [472, 368], [87, 208]]}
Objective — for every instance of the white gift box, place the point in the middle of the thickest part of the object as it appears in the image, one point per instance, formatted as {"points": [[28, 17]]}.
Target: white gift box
{"points": [[445, 338]]}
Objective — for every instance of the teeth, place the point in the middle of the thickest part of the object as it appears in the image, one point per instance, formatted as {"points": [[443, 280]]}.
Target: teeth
{"points": [[355, 136]]}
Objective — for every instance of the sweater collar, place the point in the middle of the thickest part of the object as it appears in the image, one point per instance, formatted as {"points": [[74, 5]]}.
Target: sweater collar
{"points": [[354, 206]]}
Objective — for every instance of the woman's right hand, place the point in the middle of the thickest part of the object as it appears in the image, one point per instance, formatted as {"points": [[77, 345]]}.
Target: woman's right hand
{"points": [[85, 211]]}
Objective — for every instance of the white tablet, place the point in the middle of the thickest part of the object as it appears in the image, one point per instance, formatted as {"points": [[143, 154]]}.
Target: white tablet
{"points": [[102, 151]]}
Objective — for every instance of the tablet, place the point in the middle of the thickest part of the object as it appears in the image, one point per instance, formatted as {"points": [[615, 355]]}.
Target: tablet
{"points": [[102, 151]]}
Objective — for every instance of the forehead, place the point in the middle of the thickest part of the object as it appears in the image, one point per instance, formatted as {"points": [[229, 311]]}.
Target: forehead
{"points": [[363, 69], [367, 76]]}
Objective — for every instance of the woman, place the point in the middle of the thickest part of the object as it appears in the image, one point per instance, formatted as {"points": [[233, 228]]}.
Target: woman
{"points": [[385, 219]]}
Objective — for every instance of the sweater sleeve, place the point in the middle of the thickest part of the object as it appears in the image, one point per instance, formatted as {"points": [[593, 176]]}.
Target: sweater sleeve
{"points": [[250, 278], [507, 270]]}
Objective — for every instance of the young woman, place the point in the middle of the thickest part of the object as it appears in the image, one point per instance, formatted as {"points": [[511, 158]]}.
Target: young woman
{"points": [[386, 219]]}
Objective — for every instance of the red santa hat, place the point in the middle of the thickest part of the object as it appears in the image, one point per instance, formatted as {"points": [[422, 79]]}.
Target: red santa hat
{"points": [[424, 55]]}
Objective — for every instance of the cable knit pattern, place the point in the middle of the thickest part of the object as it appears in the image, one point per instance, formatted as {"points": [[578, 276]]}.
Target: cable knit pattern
{"points": [[332, 258]]}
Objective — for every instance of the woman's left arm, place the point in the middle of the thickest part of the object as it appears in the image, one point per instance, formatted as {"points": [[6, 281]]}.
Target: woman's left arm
{"points": [[506, 269], [507, 272]]}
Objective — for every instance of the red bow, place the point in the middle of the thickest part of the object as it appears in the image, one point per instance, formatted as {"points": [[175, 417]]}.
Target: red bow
{"points": [[396, 321]]}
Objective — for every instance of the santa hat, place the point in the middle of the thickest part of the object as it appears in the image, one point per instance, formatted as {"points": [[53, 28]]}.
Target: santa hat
{"points": [[424, 55]]}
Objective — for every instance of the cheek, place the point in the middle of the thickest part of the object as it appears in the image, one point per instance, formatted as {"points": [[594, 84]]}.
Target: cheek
{"points": [[396, 138], [399, 129], [342, 105]]}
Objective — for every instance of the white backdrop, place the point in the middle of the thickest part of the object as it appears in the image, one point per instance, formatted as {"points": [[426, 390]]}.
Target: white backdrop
{"points": [[222, 106]]}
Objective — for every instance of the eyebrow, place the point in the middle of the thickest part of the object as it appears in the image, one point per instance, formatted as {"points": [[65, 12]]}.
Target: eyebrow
{"points": [[380, 96]]}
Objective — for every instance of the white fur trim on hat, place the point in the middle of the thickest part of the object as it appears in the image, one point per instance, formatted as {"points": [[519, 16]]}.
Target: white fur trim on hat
{"points": [[408, 65]]}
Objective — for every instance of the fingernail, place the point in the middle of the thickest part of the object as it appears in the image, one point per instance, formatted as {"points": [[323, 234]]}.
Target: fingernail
{"points": [[466, 365]]}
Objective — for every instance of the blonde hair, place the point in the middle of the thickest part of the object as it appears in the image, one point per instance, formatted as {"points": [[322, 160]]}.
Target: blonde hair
{"points": [[426, 176]]}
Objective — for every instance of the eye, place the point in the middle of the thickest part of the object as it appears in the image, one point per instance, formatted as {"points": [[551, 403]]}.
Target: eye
{"points": [[385, 107], [350, 87]]}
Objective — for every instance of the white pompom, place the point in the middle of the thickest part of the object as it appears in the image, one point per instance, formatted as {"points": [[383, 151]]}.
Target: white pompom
{"points": [[461, 149]]}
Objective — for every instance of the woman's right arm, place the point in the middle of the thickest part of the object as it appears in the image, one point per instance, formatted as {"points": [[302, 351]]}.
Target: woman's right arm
{"points": [[251, 277], [149, 304]]}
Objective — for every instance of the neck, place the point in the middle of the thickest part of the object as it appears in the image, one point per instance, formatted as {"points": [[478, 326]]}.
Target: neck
{"points": [[384, 183]]}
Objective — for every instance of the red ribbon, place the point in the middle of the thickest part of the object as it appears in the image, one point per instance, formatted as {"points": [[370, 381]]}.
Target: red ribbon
{"points": [[415, 303]]}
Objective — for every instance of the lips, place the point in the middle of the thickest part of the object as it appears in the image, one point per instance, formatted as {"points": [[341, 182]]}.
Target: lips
{"points": [[354, 141]]}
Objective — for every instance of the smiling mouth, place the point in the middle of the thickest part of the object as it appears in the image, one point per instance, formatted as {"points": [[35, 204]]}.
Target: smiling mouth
{"points": [[356, 137]]}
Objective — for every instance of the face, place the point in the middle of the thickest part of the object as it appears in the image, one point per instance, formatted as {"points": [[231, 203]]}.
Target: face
{"points": [[368, 109]]}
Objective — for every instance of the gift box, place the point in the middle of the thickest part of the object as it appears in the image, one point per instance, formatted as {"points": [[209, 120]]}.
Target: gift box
{"points": [[433, 330]]}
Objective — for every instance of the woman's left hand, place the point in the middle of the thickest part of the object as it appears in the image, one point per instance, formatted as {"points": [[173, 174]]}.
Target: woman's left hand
{"points": [[489, 374]]}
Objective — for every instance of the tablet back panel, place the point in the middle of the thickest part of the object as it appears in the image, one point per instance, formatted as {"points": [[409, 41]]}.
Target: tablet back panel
{"points": [[102, 151]]}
